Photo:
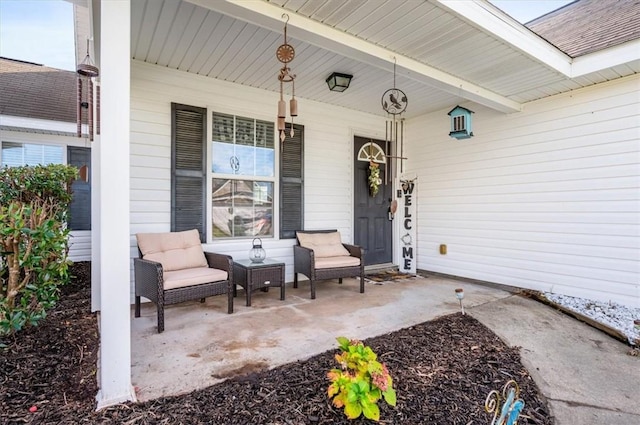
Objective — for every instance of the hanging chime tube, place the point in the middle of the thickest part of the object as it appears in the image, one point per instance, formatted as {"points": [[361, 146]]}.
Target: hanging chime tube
{"points": [[282, 106], [293, 103], [293, 107], [386, 149], [395, 151], [90, 111], [401, 145], [98, 109], [79, 109]]}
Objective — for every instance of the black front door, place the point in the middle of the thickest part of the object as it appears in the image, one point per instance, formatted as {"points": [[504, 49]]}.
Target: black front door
{"points": [[372, 227]]}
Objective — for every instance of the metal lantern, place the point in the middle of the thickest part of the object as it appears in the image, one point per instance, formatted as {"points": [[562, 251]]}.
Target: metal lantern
{"points": [[257, 254]]}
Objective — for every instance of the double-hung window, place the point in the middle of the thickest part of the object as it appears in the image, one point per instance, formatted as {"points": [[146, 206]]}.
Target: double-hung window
{"points": [[243, 176], [239, 154]]}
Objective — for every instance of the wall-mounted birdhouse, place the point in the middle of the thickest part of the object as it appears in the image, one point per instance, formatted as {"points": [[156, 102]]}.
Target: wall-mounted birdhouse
{"points": [[461, 127]]}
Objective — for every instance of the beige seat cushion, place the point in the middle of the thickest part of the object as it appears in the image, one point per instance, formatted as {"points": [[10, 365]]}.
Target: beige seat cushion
{"points": [[341, 261], [323, 244], [175, 250], [190, 277]]}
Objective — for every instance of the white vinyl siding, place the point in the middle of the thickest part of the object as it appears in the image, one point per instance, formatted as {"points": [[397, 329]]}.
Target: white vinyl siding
{"points": [[328, 166], [80, 245], [546, 199]]}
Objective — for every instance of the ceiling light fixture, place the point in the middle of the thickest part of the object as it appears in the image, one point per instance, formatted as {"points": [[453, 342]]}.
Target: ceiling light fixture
{"points": [[339, 82]]}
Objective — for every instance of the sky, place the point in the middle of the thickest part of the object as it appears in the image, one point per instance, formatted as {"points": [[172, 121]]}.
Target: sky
{"points": [[41, 31]]}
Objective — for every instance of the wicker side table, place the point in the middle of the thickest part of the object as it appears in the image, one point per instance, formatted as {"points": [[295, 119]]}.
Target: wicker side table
{"points": [[252, 276]]}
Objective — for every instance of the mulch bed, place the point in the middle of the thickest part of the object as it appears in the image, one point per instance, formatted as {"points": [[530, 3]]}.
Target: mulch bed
{"points": [[442, 370]]}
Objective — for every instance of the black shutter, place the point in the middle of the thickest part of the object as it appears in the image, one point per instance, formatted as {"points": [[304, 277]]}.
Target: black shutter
{"points": [[292, 184], [80, 208], [188, 168]]}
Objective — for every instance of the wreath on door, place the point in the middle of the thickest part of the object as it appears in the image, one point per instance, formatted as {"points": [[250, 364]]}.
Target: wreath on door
{"points": [[374, 178]]}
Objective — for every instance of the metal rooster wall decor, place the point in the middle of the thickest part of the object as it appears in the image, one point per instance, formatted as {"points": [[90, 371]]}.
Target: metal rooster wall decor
{"points": [[394, 102], [285, 54]]}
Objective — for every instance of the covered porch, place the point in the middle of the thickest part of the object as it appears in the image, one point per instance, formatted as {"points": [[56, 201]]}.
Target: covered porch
{"points": [[520, 204], [202, 345]]}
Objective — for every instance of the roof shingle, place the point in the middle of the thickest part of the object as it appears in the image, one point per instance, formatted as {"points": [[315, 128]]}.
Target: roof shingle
{"points": [[36, 91], [586, 26]]}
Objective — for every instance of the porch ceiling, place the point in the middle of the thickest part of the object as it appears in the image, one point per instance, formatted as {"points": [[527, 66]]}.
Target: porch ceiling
{"points": [[443, 59]]}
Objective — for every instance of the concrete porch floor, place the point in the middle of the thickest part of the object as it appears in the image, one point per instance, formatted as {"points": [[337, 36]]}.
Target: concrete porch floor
{"points": [[203, 345]]}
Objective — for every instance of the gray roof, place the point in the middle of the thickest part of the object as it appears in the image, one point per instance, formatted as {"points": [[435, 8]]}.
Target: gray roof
{"points": [[31, 90], [586, 26]]}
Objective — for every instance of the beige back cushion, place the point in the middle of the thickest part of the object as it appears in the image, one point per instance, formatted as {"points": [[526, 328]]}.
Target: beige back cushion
{"points": [[175, 250], [323, 244]]}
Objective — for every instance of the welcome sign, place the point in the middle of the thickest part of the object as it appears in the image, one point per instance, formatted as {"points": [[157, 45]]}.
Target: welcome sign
{"points": [[407, 233]]}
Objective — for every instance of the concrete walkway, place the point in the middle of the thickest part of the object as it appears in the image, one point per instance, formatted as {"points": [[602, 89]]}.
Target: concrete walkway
{"points": [[586, 375]]}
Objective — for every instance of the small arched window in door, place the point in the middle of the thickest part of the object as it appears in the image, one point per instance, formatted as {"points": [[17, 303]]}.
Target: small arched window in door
{"points": [[372, 152]]}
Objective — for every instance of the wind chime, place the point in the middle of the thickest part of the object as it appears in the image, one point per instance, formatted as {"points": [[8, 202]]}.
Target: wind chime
{"points": [[285, 54], [394, 103], [86, 72]]}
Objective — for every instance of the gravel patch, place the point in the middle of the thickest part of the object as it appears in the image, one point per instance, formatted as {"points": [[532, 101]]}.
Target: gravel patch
{"points": [[611, 314]]}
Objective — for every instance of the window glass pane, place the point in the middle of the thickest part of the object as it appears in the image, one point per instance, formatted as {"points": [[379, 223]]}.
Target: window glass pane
{"points": [[242, 208], [244, 131], [11, 154], [223, 158], [51, 154], [264, 134], [32, 154], [17, 154], [223, 128], [246, 158], [265, 160]]}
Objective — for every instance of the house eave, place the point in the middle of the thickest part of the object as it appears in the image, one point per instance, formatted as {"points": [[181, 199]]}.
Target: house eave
{"points": [[269, 16], [491, 20]]}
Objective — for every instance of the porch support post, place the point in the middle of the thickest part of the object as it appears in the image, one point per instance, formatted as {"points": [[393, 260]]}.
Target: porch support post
{"points": [[115, 315]]}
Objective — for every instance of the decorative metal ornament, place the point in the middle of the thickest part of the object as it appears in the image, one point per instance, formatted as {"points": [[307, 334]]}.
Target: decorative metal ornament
{"points": [[285, 54], [394, 102], [512, 404]]}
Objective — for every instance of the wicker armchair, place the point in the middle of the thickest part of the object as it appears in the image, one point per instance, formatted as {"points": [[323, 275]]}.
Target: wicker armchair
{"points": [[173, 268], [320, 255]]}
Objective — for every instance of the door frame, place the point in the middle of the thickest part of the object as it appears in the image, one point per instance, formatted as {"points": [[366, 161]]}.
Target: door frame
{"points": [[377, 138]]}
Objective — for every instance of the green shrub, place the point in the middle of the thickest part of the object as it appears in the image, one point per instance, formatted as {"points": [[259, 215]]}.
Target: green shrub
{"points": [[34, 204]]}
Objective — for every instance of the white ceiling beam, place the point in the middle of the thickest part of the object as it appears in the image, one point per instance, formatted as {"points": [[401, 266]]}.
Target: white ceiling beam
{"points": [[268, 15]]}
